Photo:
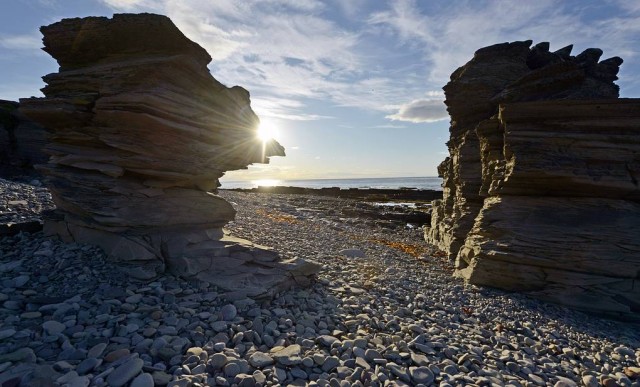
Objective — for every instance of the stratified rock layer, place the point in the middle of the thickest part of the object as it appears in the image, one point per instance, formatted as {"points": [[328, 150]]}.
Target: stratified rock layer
{"points": [[541, 186], [141, 134], [506, 72], [563, 214]]}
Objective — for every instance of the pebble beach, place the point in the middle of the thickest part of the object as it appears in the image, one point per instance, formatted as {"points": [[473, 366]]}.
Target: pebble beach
{"points": [[384, 310]]}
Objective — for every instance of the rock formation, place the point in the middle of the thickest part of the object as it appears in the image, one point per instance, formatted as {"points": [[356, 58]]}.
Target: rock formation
{"points": [[541, 186], [21, 140], [141, 134]]}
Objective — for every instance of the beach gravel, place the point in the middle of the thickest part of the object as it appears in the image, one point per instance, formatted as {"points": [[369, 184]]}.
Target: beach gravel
{"points": [[393, 315]]}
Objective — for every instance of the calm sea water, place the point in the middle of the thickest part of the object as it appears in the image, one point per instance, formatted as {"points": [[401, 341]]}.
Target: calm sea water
{"points": [[433, 183]]}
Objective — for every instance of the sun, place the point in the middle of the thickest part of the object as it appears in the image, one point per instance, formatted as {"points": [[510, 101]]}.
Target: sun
{"points": [[266, 130]]}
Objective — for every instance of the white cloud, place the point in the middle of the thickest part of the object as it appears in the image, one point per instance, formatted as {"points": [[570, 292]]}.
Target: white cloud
{"points": [[421, 110], [128, 5], [281, 48], [389, 126], [449, 38], [290, 50], [283, 108], [20, 42]]}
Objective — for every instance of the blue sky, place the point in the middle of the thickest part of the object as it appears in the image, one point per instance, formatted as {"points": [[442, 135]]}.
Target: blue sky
{"points": [[353, 87]]}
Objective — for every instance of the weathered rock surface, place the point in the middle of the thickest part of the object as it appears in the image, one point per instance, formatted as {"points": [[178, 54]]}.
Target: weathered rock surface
{"points": [[563, 212], [541, 189], [141, 134], [506, 72]]}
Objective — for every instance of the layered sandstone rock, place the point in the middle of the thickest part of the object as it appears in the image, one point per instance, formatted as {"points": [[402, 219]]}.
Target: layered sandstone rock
{"points": [[141, 134], [507, 72], [541, 185], [563, 214]]}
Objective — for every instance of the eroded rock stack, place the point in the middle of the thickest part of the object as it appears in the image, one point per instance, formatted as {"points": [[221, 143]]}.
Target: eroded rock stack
{"points": [[141, 134], [541, 186]]}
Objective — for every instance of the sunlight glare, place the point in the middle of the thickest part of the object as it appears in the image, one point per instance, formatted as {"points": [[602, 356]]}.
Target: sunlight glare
{"points": [[266, 131], [266, 182]]}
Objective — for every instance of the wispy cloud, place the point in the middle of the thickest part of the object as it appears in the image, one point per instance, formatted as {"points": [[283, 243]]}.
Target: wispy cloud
{"points": [[284, 108], [449, 39], [285, 51], [389, 126], [280, 50], [20, 42], [128, 5], [421, 110]]}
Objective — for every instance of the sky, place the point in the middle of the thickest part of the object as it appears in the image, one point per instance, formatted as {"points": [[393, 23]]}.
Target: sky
{"points": [[352, 88]]}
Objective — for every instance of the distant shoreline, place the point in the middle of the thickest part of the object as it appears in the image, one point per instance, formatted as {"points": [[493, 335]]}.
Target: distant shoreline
{"points": [[416, 182], [374, 194]]}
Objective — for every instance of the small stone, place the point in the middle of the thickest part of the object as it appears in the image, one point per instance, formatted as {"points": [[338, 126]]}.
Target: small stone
{"points": [[219, 326], [53, 327], [330, 363], [72, 379], [231, 369], [218, 360], [136, 298], [194, 351], [259, 377], [624, 351], [260, 360], [590, 381], [565, 382], [161, 378], [298, 373], [116, 354], [228, 312], [371, 354], [96, 350], [421, 375], [632, 372], [353, 253], [143, 380], [288, 356], [419, 360], [536, 379], [30, 315], [327, 340], [512, 366], [400, 372], [125, 372], [88, 365], [281, 374], [6, 333], [21, 354], [20, 281]]}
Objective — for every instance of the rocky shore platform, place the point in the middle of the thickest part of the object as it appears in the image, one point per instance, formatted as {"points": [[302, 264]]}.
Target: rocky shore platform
{"points": [[388, 207], [385, 310]]}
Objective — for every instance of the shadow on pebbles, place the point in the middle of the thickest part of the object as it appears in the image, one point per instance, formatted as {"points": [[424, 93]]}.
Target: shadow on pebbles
{"points": [[384, 311]]}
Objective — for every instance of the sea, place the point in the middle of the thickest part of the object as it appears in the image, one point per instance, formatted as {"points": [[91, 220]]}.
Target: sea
{"points": [[429, 182]]}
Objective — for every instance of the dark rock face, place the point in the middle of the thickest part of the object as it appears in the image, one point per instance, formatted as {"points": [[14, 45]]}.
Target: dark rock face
{"points": [[21, 141], [141, 134], [541, 185]]}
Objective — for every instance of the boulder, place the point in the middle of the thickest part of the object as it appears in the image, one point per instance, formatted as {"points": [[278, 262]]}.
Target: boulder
{"points": [[141, 133]]}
